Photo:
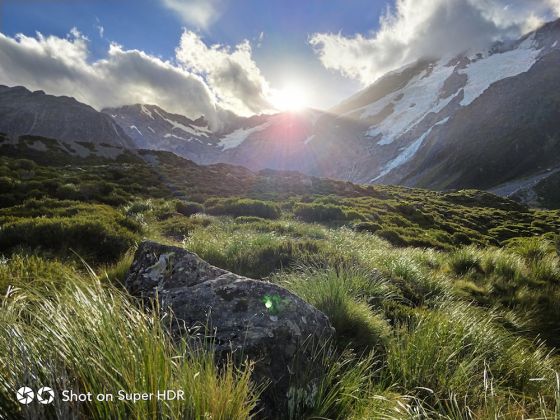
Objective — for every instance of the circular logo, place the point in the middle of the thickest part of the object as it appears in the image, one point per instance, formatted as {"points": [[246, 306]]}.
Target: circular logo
{"points": [[25, 395], [45, 395]]}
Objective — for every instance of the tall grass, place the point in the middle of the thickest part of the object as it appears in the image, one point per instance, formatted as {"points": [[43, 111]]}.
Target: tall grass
{"points": [[71, 331]]}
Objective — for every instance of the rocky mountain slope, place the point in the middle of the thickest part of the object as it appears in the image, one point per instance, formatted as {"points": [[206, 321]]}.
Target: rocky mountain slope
{"points": [[479, 120], [472, 121], [23, 112], [258, 142]]}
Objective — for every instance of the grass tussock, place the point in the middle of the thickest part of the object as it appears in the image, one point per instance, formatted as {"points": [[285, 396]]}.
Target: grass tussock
{"points": [[75, 332]]}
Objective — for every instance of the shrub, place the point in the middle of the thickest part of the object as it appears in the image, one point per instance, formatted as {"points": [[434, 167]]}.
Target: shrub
{"points": [[188, 208], [460, 238], [178, 227], [96, 240], [316, 212], [391, 236], [138, 207], [97, 233], [7, 183], [370, 227], [243, 207], [25, 164], [354, 215]]}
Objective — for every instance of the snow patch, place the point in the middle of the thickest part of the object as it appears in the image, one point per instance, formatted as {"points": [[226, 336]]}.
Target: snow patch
{"points": [[178, 126], [308, 139], [423, 91], [555, 44], [133, 127], [237, 137], [408, 153], [151, 129], [483, 73], [169, 135], [146, 111]]}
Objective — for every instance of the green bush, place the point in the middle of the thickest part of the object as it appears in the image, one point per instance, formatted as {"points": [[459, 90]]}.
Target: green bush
{"points": [[177, 227], [243, 207], [460, 238], [316, 212], [97, 233], [370, 227], [188, 208], [391, 236]]}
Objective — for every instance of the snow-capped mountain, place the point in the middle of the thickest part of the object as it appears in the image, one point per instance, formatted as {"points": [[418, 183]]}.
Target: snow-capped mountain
{"points": [[477, 120], [487, 120], [473, 121], [151, 127], [258, 142]]}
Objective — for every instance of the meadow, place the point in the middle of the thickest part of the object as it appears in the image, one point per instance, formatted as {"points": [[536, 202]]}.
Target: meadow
{"points": [[445, 305]]}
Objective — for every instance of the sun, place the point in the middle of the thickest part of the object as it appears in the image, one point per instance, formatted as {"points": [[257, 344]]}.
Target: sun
{"points": [[290, 98]]}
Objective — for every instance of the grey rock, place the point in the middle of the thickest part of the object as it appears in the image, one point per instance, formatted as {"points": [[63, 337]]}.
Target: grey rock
{"points": [[249, 318]]}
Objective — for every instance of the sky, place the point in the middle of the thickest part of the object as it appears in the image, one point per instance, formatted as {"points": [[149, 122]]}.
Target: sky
{"points": [[213, 57]]}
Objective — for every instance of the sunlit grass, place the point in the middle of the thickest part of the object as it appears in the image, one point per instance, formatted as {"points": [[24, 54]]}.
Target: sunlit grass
{"points": [[73, 331]]}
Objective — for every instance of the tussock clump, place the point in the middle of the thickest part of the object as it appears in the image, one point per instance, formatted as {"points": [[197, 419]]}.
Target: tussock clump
{"points": [[70, 330]]}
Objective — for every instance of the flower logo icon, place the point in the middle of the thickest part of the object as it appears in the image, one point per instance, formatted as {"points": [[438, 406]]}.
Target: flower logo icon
{"points": [[25, 395], [45, 395]]}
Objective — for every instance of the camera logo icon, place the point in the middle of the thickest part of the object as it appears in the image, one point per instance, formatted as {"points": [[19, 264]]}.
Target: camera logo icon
{"points": [[45, 395], [25, 395]]}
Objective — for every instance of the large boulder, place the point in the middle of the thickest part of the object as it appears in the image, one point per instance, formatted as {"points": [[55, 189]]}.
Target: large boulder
{"points": [[249, 318]]}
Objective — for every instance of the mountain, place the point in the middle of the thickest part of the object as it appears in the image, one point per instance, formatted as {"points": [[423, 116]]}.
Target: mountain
{"points": [[151, 127], [26, 113], [489, 120], [258, 142], [486, 120]]}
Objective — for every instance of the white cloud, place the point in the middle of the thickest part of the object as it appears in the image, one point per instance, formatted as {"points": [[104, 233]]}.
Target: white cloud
{"points": [[200, 13], [427, 28], [231, 74], [209, 82]]}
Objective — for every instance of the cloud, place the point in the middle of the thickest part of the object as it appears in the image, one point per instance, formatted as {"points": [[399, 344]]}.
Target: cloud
{"points": [[417, 29], [231, 74], [199, 13], [211, 82]]}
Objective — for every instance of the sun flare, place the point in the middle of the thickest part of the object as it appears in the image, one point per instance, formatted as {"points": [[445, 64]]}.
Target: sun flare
{"points": [[290, 98]]}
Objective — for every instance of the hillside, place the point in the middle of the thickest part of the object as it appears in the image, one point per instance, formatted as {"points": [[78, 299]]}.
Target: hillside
{"points": [[430, 294]]}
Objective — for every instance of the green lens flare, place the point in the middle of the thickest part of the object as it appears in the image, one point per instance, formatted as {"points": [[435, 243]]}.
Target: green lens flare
{"points": [[272, 303]]}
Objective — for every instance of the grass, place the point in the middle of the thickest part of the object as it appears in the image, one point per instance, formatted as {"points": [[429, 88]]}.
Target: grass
{"points": [[445, 305], [73, 331], [97, 232]]}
